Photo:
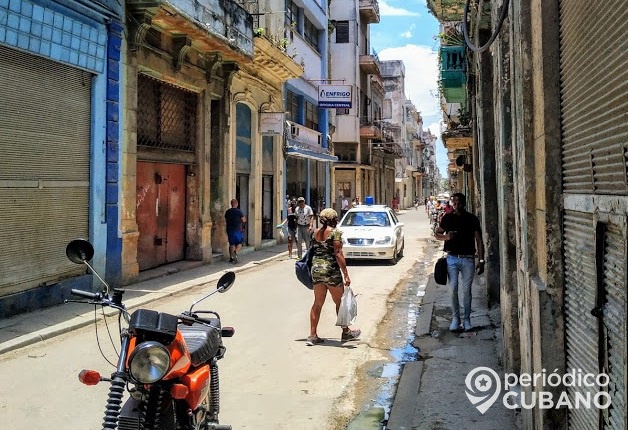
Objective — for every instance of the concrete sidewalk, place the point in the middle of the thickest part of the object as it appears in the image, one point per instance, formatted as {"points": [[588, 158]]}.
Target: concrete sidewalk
{"points": [[26, 329], [431, 393]]}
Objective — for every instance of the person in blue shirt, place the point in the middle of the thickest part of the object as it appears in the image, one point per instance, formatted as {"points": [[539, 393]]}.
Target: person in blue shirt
{"points": [[235, 226]]}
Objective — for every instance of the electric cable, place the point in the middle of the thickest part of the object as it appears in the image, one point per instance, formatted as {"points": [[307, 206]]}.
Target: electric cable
{"points": [[465, 30]]}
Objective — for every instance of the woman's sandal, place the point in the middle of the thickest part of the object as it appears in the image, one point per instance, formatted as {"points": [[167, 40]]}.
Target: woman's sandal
{"points": [[350, 335]]}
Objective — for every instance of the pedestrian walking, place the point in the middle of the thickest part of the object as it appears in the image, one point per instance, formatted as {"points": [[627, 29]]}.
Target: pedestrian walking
{"points": [[305, 220], [328, 270], [462, 234], [235, 221], [291, 220]]}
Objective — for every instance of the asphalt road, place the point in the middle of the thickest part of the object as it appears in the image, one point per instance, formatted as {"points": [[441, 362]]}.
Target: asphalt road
{"points": [[269, 378]]}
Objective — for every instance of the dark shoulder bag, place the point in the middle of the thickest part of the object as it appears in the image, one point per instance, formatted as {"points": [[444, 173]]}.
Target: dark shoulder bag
{"points": [[303, 267], [440, 271]]}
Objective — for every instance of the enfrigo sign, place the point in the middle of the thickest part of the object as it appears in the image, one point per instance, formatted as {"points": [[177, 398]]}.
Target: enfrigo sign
{"points": [[334, 96]]}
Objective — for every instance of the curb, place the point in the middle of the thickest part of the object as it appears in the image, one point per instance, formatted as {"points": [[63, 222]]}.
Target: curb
{"points": [[87, 318], [405, 400]]}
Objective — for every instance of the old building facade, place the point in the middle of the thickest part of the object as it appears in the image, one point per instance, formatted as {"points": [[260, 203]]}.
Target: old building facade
{"points": [[198, 83], [548, 102]]}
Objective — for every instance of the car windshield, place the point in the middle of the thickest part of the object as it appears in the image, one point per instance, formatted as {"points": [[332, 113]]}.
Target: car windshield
{"points": [[366, 219]]}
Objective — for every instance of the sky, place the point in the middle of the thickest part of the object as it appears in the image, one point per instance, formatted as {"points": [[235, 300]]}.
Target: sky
{"points": [[407, 31]]}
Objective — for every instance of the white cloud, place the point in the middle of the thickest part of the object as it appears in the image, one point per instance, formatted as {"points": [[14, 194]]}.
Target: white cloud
{"points": [[421, 83], [387, 10], [408, 34]]}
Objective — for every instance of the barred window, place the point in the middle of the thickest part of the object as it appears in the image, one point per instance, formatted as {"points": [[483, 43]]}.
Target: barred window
{"points": [[342, 111], [292, 106], [166, 115], [311, 116], [310, 33]]}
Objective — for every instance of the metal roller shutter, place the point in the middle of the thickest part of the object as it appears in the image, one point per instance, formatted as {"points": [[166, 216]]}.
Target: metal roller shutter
{"points": [[614, 319], [594, 95], [44, 168], [580, 290]]}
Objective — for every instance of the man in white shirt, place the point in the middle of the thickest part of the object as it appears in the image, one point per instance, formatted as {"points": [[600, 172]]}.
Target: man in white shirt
{"points": [[305, 218], [344, 206]]}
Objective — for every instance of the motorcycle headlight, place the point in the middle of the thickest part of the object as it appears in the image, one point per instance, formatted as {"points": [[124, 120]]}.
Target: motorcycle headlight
{"points": [[149, 362], [383, 240]]}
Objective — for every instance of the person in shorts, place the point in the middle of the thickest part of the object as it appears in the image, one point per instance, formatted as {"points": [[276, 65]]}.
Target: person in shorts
{"points": [[291, 219], [235, 220]]}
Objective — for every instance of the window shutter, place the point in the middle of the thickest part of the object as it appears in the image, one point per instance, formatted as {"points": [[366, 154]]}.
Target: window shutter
{"points": [[342, 32]]}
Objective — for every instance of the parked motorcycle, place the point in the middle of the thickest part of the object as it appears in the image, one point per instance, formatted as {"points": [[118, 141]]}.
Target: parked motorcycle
{"points": [[167, 363]]}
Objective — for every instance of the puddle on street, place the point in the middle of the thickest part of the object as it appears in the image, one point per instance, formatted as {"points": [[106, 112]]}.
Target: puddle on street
{"points": [[395, 335]]}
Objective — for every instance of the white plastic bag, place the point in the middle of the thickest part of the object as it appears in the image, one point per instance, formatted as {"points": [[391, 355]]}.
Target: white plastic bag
{"points": [[348, 308]]}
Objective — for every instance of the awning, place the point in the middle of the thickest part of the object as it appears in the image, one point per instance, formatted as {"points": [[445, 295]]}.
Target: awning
{"points": [[297, 149]]}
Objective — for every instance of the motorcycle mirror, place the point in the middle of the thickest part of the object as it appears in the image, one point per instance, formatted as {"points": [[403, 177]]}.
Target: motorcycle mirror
{"points": [[79, 251], [225, 282]]}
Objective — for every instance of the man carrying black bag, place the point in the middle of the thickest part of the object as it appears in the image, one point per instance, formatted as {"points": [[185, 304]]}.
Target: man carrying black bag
{"points": [[462, 234]]}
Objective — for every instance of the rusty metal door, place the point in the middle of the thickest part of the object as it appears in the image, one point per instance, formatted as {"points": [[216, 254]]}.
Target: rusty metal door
{"points": [[160, 213]]}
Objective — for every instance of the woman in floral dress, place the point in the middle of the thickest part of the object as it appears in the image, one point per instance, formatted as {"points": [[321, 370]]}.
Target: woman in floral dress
{"points": [[328, 268]]}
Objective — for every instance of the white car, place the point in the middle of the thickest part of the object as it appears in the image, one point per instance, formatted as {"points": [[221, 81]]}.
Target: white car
{"points": [[372, 231]]}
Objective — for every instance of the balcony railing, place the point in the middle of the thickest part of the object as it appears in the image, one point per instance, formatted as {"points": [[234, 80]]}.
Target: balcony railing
{"points": [[369, 11], [212, 28]]}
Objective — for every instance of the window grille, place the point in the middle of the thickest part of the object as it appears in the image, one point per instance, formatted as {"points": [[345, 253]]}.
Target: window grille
{"points": [[166, 115]]}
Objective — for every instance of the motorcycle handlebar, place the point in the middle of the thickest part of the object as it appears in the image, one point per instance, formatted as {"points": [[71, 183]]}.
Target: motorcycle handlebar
{"points": [[85, 294]]}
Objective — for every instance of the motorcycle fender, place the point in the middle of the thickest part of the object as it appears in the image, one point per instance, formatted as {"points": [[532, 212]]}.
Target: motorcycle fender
{"points": [[197, 382]]}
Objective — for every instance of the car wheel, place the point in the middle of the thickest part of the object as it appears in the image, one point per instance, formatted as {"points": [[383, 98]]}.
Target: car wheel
{"points": [[395, 257], [400, 255]]}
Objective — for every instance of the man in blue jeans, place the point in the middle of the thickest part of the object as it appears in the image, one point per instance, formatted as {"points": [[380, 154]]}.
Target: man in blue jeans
{"points": [[462, 234], [235, 220]]}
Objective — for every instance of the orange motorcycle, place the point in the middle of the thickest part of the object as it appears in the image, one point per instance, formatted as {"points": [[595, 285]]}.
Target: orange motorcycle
{"points": [[167, 363]]}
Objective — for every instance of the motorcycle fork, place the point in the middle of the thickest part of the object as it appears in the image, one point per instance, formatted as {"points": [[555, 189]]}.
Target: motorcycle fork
{"points": [[116, 390]]}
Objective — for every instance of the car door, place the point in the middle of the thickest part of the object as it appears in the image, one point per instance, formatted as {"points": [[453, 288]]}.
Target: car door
{"points": [[397, 226]]}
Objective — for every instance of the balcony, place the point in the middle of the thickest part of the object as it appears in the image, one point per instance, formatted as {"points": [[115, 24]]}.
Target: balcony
{"points": [[207, 25], [272, 61], [369, 11], [453, 73], [370, 129], [303, 142], [369, 64], [453, 11]]}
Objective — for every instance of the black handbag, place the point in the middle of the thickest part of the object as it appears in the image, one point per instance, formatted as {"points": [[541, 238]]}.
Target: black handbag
{"points": [[440, 271]]}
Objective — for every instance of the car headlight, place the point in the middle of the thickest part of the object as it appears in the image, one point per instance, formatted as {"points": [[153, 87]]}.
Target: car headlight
{"points": [[383, 241], [149, 362]]}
